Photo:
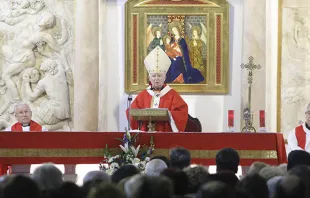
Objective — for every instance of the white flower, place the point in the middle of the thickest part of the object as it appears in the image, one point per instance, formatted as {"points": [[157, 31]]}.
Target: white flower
{"points": [[134, 150], [147, 159], [135, 161], [125, 149], [114, 166], [141, 165], [111, 160]]}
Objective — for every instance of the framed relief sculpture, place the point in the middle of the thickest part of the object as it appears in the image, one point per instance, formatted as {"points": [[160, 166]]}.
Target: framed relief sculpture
{"points": [[193, 33]]}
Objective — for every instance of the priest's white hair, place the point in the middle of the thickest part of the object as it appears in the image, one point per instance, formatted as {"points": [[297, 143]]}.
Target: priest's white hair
{"points": [[20, 104]]}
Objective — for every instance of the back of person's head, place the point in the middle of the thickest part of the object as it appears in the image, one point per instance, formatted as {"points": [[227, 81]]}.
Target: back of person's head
{"points": [[215, 189], [180, 157], [283, 167], [21, 186], [255, 185], [142, 186], [96, 176], [227, 177], [270, 172], [179, 180], [47, 177], [161, 157], [272, 185], [298, 157], [227, 159], [155, 167], [256, 167], [123, 172], [106, 190], [303, 173], [69, 190], [290, 187], [197, 176]]}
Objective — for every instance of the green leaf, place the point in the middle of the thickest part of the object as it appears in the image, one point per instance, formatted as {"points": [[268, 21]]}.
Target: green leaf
{"points": [[120, 139]]}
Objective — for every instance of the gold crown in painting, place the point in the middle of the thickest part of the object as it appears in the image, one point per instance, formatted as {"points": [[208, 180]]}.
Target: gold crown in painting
{"points": [[157, 61]]}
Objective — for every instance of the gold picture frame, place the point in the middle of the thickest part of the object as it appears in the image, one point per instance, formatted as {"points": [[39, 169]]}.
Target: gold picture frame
{"points": [[199, 58]]}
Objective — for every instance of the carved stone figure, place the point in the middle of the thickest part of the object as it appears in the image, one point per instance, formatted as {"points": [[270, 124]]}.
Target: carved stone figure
{"points": [[19, 52], [301, 34], [18, 8], [54, 111], [32, 32]]}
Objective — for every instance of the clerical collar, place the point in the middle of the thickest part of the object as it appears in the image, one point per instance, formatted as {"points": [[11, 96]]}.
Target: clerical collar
{"points": [[307, 126], [25, 125]]}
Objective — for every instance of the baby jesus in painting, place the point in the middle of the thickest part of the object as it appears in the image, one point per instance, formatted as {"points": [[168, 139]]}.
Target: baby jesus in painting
{"points": [[172, 49]]}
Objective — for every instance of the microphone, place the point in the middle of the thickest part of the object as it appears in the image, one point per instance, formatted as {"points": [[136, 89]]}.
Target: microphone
{"points": [[129, 99]]}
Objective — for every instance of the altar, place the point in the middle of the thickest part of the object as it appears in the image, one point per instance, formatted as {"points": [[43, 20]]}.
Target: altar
{"points": [[87, 147]]}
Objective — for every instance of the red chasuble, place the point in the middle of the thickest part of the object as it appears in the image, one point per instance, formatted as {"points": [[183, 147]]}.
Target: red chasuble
{"points": [[172, 101], [300, 136], [34, 127]]}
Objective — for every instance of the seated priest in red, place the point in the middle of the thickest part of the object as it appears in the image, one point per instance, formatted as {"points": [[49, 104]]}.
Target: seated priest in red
{"points": [[160, 95], [299, 138], [24, 123]]}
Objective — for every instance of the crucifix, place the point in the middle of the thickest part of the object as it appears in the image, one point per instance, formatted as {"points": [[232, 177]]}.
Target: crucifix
{"points": [[247, 114]]}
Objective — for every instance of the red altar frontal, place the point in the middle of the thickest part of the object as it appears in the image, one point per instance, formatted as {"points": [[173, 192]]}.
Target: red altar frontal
{"points": [[87, 147]]}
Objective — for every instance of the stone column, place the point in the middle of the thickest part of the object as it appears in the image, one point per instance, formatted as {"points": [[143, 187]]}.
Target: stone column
{"points": [[86, 78]]}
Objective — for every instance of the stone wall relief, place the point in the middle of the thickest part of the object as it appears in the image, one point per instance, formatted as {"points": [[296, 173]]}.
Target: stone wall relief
{"points": [[36, 53], [295, 84]]}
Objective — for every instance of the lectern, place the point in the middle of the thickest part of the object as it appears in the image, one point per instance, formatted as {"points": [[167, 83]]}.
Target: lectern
{"points": [[151, 115]]}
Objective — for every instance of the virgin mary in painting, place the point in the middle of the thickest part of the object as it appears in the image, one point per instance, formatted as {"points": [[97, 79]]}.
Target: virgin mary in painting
{"points": [[181, 69]]}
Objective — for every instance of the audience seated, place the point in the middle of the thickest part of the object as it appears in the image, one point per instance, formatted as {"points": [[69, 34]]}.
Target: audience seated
{"points": [[290, 187], [94, 179], [271, 171], [164, 158], [21, 187], [106, 190], [256, 167], [197, 176], [228, 178], [179, 180], [255, 185], [155, 167], [303, 173], [272, 185], [298, 157], [227, 159], [215, 189], [180, 158], [48, 177], [141, 186], [123, 172]]}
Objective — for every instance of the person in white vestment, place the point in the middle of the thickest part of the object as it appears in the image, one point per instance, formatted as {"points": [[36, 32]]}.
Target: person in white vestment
{"points": [[299, 137], [24, 123]]}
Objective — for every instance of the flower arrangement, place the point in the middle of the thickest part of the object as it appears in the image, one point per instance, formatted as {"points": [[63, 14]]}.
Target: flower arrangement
{"points": [[137, 156]]}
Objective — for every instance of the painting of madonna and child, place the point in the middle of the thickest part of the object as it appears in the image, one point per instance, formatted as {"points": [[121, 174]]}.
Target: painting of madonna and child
{"points": [[184, 40]]}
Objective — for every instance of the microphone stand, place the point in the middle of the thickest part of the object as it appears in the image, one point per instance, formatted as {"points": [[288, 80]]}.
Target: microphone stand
{"points": [[129, 100]]}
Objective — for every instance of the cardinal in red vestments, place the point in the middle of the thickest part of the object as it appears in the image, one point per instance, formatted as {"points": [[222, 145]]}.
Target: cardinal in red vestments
{"points": [[24, 123], [160, 95]]}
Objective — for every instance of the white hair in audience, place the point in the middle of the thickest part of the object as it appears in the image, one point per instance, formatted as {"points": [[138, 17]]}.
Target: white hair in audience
{"points": [[133, 185], [96, 176], [155, 167], [47, 176]]}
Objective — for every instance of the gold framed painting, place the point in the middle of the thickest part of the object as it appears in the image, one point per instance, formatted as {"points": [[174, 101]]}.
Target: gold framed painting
{"points": [[193, 33]]}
